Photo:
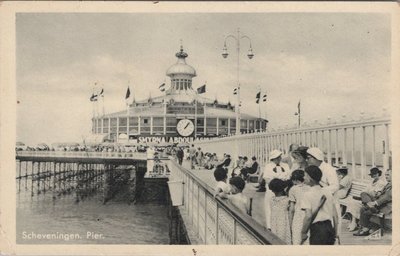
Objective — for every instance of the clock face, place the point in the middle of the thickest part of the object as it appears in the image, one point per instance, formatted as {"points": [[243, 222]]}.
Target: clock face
{"points": [[185, 127]]}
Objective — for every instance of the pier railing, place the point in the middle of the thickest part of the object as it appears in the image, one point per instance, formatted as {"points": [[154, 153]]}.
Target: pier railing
{"points": [[212, 220], [74, 154], [357, 143]]}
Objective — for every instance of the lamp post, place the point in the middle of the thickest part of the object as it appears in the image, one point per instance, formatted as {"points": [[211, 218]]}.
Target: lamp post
{"points": [[250, 55]]}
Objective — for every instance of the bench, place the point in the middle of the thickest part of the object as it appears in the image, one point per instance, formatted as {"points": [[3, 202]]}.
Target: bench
{"points": [[356, 188]]}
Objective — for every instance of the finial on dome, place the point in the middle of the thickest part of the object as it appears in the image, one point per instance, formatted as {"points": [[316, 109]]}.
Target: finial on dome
{"points": [[181, 53]]}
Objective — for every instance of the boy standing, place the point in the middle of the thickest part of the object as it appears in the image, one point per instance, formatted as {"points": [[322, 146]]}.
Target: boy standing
{"points": [[320, 211]]}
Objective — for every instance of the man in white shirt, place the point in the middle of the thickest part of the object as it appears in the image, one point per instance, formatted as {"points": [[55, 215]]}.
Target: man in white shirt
{"points": [[273, 170], [329, 178]]}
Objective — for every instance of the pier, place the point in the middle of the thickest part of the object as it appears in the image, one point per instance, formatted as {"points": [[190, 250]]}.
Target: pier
{"points": [[84, 173]]}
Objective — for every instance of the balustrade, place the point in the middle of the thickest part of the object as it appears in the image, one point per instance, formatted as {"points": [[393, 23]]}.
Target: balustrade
{"points": [[212, 220], [350, 143], [133, 155]]}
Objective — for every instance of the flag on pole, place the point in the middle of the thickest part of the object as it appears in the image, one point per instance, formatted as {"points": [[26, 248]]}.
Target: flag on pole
{"points": [[201, 89], [258, 95], [101, 93], [265, 97], [128, 93], [162, 87], [235, 91], [93, 97]]}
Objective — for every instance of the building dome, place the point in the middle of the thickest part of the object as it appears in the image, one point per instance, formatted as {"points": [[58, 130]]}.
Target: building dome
{"points": [[180, 67]]}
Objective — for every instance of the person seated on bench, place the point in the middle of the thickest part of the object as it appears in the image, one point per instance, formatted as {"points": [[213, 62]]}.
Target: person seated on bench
{"points": [[373, 189], [239, 166], [380, 203], [249, 169], [226, 162], [344, 183]]}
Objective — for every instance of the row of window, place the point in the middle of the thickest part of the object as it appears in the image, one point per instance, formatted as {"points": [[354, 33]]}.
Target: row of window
{"points": [[210, 131], [171, 126], [159, 121], [181, 84]]}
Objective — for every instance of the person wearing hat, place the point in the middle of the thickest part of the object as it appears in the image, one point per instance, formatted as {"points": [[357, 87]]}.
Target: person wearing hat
{"points": [[329, 178], [321, 217], [382, 202], [372, 190], [273, 170], [344, 183]]}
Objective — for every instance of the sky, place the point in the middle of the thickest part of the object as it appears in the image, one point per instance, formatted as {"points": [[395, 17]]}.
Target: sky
{"points": [[336, 63]]}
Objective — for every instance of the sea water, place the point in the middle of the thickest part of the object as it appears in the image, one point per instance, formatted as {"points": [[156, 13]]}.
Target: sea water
{"points": [[42, 219]]}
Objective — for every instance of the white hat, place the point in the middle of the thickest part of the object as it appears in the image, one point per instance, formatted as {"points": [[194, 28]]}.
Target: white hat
{"points": [[274, 154], [316, 153]]}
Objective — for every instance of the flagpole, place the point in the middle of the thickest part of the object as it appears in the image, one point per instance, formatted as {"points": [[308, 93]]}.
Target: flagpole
{"points": [[165, 116], [195, 115], [93, 103], [205, 119], [104, 113], [259, 108], [127, 116], [102, 99], [97, 108], [298, 109]]}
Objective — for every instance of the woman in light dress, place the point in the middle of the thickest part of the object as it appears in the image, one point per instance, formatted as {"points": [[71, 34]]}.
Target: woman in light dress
{"points": [[280, 224]]}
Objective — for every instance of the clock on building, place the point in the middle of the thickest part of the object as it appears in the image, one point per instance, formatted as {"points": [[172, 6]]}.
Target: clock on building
{"points": [[185, 127]]}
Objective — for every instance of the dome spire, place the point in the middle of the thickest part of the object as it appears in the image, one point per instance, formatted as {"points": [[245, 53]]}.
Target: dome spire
{"points": [[181, 54]]}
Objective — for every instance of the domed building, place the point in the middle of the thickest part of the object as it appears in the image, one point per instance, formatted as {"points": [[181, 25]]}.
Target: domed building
{"points": [[181, 114]]}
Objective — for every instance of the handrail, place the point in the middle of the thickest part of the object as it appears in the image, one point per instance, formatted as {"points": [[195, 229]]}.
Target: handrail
{"points": [[255, 229], [357, 144], [116, 155]]}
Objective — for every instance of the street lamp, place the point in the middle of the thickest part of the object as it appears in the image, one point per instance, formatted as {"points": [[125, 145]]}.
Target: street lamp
{"points": [[250, 55]]}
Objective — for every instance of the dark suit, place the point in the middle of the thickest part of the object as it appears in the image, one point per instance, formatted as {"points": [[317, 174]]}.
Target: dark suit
{"points": [[253, 169], [384, 205], [225, 163], [179, 155]]}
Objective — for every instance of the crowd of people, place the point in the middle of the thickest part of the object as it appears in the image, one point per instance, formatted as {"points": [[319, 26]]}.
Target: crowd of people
{"points": [[302, 193]]}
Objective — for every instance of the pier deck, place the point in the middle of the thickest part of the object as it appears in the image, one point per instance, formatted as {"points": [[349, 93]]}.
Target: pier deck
{"points": [[258, 214]]}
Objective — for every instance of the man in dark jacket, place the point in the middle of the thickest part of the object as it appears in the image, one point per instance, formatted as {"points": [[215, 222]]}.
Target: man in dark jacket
{"points": [[381, 203], [179, 155], [249, 170]]}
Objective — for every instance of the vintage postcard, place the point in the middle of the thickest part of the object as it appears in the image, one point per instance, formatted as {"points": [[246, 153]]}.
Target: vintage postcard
{"points": [[199, 128]]}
